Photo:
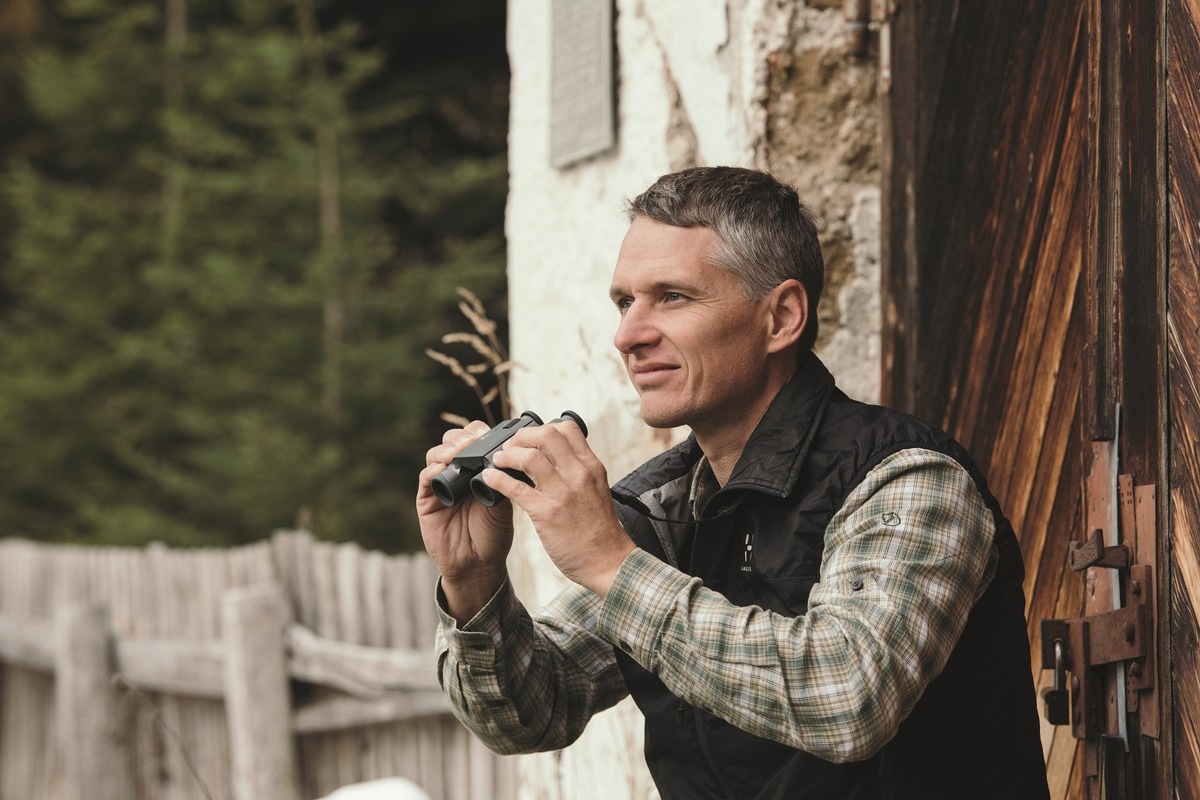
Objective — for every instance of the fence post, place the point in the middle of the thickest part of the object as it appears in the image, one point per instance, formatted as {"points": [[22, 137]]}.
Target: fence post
{"points": [[87, 707], [257, 700]]}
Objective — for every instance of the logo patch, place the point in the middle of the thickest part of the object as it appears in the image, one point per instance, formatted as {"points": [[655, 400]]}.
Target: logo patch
{"points": [[891, 519]]}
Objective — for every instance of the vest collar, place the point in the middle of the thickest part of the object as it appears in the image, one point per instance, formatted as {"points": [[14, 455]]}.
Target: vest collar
{"points": [[773, 456], [778, 447]]}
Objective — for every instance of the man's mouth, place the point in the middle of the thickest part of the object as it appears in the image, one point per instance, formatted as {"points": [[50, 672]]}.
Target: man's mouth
{"points": [[652, 366], [649, 373]]}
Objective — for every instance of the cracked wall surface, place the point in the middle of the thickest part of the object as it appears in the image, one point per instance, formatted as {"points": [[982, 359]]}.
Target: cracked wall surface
{"points": [[760, 83]]}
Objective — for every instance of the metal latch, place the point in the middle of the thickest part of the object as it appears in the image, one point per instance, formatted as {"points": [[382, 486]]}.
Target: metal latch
{"points": [[1084, 648], [1081, 645]]}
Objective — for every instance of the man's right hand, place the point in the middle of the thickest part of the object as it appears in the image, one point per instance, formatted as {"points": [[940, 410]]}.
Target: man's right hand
{"points": [[468, 541]]}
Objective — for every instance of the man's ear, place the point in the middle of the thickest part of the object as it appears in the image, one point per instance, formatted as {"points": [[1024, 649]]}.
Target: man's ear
{"points": [[788, 309]]}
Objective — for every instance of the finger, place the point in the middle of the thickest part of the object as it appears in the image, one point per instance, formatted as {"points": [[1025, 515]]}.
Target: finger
{"points": [[562, 445], [517, 491], [425, 483], [528, 458], [454, 441], [473, 430], [573, 436], [443, 454]]}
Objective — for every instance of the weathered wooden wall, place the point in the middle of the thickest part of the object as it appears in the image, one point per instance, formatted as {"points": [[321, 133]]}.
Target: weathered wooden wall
{"points": [[1183, 138], [986, 211], [1041, 208], [175, 743]]}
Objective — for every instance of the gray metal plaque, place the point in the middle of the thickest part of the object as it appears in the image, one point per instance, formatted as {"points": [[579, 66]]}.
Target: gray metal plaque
{"points": [[581, 80]]}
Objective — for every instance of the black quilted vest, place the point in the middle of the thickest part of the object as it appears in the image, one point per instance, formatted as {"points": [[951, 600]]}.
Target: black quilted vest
{"points": [[974, 732]]}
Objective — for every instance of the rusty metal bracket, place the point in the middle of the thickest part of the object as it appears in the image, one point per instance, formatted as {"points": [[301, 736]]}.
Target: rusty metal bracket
{"points": [[1089, 642], [1082, 644], [1093, 553]]}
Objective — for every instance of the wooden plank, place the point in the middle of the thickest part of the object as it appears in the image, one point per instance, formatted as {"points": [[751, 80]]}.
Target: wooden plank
{"points": [[257, 698], [325, 590], [429, 755], [1183, 575], [375, 624], [343, 713], [206, 615], [357, 669], [481, 771], [26, 643], [346, 744], [1184, 639], [348, 582], [87, 712], [283, 557], [456, 755], [401, 628], [180, 667], [407, 762], [423, 579], [306, 579], [900, 209]]}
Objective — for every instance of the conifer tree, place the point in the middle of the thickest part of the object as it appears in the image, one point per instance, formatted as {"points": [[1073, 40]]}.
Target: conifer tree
{"points": [[221, 277]]}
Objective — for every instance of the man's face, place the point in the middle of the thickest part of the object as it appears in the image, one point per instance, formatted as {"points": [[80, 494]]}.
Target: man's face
{"points": [[694, 347]]}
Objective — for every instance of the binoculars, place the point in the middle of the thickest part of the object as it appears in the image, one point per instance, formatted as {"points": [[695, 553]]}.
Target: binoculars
{"points": [[461, 477]]}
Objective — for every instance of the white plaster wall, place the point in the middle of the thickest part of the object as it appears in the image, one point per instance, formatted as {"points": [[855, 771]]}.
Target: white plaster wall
{"points": [[690, 90]]}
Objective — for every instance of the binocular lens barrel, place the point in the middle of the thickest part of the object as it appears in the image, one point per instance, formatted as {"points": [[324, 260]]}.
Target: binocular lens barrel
{"points": [[452, 484], [484, 493]]}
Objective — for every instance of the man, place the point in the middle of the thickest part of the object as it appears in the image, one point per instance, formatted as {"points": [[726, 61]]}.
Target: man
{"points": [[809, 598]]}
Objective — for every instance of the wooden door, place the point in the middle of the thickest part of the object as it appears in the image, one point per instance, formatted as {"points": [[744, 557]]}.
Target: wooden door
{"points": [[1027, 273]]}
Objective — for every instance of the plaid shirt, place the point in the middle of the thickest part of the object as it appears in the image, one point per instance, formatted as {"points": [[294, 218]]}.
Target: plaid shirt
{"points": [[905, 559]]}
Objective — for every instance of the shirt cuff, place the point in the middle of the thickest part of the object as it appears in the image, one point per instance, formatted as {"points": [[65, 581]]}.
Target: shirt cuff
{"points": [[644, 593], [478, 640]]}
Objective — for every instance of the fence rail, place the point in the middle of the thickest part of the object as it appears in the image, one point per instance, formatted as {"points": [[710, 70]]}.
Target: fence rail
{"points": [[277, 671]]}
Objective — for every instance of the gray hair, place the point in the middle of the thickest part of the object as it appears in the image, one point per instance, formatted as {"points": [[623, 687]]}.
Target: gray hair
{"points": [[766, 234]]}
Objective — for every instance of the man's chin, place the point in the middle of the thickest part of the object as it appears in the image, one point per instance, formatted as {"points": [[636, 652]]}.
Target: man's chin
{"points": [[661, 419]]}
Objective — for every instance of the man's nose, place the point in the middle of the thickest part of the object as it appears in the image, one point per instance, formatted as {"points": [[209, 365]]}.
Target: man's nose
{"points": [[635, 330]]}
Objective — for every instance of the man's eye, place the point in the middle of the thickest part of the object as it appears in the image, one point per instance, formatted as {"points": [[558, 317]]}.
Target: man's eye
{"points": [[672, 297], [624, 303]]}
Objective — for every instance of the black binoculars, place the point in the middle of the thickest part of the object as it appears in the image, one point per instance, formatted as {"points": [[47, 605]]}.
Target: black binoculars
{"points": [[462, 474]]}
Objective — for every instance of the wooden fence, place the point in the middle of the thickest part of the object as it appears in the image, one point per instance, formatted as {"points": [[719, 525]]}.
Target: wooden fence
{"points": [[277, 671]]}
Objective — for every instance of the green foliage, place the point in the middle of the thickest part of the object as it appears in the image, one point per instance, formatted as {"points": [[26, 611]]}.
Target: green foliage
{"points": [[193, 351]]}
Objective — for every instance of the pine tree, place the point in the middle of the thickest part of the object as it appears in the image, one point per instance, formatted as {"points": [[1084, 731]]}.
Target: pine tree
{"points": [[221, 284]]}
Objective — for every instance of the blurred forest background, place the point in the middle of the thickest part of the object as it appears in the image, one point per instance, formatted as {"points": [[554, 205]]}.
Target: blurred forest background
{"points": [[229, 229]]}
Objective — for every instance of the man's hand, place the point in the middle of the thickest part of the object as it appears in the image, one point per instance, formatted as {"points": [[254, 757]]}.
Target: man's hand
{"points": [[469, 542], [569, 504]]}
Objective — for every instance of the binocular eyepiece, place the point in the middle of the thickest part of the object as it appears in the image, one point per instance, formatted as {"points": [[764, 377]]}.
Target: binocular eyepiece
{"points": [[461, 477]]}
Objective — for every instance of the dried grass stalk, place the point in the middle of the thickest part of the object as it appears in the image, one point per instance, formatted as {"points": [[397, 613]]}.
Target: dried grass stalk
{"points": [[486, 344]]}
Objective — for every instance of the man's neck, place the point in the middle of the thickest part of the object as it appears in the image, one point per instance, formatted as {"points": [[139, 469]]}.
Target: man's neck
{"points": [[723, 449], [723, 444]]}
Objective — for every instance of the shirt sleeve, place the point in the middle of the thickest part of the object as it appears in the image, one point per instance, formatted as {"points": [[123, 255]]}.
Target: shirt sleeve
{"points": [[524, 684], [905, 559]]}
